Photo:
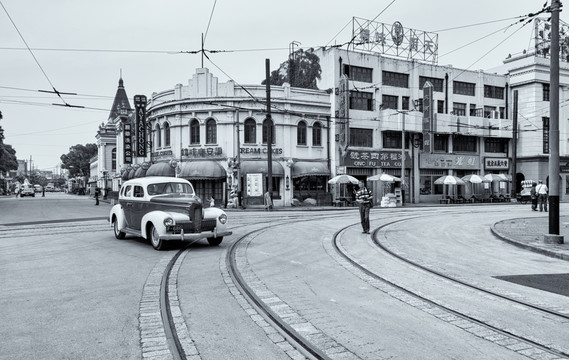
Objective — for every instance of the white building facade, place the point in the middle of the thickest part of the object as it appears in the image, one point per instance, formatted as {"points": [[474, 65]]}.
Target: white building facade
{"points": [[215, 135]]}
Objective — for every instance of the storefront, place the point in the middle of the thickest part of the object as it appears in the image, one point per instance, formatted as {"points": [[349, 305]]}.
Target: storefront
{"points": [[254, 177], [309, 181], [365, 163], [208, 178]]}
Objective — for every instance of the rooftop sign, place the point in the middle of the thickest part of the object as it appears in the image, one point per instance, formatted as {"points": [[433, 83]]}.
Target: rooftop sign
{"points": [[395, 40]]}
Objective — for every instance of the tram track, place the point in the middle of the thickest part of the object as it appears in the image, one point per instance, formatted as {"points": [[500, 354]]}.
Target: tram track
{"points": [[460, 315]]}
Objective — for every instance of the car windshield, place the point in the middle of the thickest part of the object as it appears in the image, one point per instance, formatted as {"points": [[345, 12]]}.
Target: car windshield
{"points": [[170, 188]]}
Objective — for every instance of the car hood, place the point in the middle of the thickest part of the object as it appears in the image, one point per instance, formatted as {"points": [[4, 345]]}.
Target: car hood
{"points": [[178, 199]]}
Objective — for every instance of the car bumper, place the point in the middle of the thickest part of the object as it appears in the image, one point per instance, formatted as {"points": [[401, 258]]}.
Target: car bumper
{"points": [[194, 236]]}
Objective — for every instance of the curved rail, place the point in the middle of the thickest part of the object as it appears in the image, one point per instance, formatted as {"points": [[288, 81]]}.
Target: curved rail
{"points": [[375, 276]]}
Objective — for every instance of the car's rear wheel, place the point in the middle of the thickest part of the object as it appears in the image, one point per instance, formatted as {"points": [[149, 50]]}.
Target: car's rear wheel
{"points": [[215, 241], [155, 239], [118, 234]]}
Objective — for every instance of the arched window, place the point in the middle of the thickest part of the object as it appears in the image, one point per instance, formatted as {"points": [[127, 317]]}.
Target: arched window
{"points": [[194, 132], [250, 131], [166, 134], [266, 124], [114, 160], [301, 133], [210, 132], [158, 140], [317, 134]]}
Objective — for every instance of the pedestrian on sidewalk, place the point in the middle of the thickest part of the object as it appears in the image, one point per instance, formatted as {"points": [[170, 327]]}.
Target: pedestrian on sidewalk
{"points": [[542, 191], [533, 195], [268, 202], [96, 196], [364, 198]]}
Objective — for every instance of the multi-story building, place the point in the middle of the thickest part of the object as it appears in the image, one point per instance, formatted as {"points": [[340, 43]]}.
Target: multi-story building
{"points": [[379, 99], [216, 135]]}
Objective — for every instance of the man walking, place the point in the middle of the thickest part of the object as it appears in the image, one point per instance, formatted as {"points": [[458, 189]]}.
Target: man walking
{"points": [[542, 190], [364, 198], [96, 196]]}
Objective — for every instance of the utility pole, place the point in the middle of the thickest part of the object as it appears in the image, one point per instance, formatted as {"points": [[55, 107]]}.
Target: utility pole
{"points": [[269, 129], [514, 145], [403, 158], [553, 236]]}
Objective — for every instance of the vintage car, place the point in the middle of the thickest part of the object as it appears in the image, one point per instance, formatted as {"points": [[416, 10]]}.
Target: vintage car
{"points": [[27, 190], [162, 208]]}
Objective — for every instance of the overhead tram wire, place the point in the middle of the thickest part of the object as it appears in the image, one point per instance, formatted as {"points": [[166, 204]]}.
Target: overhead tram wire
{"points": [[55, 91]]}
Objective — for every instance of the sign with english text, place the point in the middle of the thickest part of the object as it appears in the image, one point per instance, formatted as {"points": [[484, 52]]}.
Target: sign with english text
{"points": [[376, 159]]}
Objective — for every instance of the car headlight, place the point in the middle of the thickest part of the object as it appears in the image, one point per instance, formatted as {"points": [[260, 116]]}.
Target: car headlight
{"points": [[223, 218], [169, 222]]}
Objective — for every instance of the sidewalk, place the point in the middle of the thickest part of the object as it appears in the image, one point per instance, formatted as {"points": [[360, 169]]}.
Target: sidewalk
{"points": [[528, 233]]}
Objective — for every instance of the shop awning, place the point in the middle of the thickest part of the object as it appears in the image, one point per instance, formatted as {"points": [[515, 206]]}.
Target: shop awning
{"points": [[202, 170], [161, 169], [140, 172], [261, 166], [307, 168]]}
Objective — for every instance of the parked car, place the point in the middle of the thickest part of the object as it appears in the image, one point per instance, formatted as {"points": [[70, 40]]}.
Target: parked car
{"points": [[161, 209]]}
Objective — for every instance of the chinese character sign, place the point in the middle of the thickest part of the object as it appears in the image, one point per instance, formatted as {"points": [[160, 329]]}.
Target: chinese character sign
{"points": [[140, 109], [127, 143], [428, 115]]}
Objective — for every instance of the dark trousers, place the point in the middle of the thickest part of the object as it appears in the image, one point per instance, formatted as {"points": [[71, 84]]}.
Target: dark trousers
{"points": [[364, 216], [96, 200], [534, 204], [542, 199]]}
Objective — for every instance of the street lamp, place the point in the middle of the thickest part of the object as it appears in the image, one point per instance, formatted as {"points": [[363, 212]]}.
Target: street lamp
{"points": [[105, 172]]}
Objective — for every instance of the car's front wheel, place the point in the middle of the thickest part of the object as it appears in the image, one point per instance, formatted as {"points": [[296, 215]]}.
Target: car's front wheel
{"points": [[118, 233], [155, 239], [215, 241]]}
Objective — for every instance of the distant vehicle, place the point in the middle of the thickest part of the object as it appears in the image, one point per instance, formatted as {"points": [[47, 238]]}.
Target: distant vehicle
{"points": [[27, 190], [49, 187], [38, 188], [162, 208]]}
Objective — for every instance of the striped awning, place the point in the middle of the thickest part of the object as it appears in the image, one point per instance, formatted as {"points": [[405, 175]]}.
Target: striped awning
{"points": [[202, 170], [161, 169], [307, 168], [261, 166]]}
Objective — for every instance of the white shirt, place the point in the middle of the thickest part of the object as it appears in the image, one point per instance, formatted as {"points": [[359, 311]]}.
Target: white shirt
{"points": [[541, 189]]}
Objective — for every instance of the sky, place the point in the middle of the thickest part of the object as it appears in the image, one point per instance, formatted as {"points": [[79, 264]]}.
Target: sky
{"points": [[83, 47]]}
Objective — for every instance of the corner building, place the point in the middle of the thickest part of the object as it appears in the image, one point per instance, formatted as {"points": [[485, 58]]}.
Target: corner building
{"points": [[377, 107], [215, 135]]}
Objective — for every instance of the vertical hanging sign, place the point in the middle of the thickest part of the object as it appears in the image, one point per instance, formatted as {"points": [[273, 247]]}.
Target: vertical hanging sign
{"points": [[428, 115], [127, 142], [140, 111]]}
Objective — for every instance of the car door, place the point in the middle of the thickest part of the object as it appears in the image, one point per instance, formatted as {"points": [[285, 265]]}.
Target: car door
{"points": [[127, 205], [138, 206]]}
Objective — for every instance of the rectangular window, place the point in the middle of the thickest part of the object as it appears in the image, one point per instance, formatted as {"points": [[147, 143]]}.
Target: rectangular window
{"points": [[473, 110], [395, 79], [389, 102], [436, 82], [440, 106], [405, 103], [463, 88], [391, 139], [459, 108], [502, 112], [545, 134], [358, 73], [545, 92], [494, 92], [440, 142], [361, 137], [462, 143], [489, 112], [360, 100], [496, 145]]}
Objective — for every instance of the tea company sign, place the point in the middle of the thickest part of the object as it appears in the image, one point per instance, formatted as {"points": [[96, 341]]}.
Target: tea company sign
{"points": [[375, 159]]}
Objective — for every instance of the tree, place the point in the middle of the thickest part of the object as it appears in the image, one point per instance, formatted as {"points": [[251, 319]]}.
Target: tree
{"points": [[302, 69], [8, 160], [78, 160]]}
